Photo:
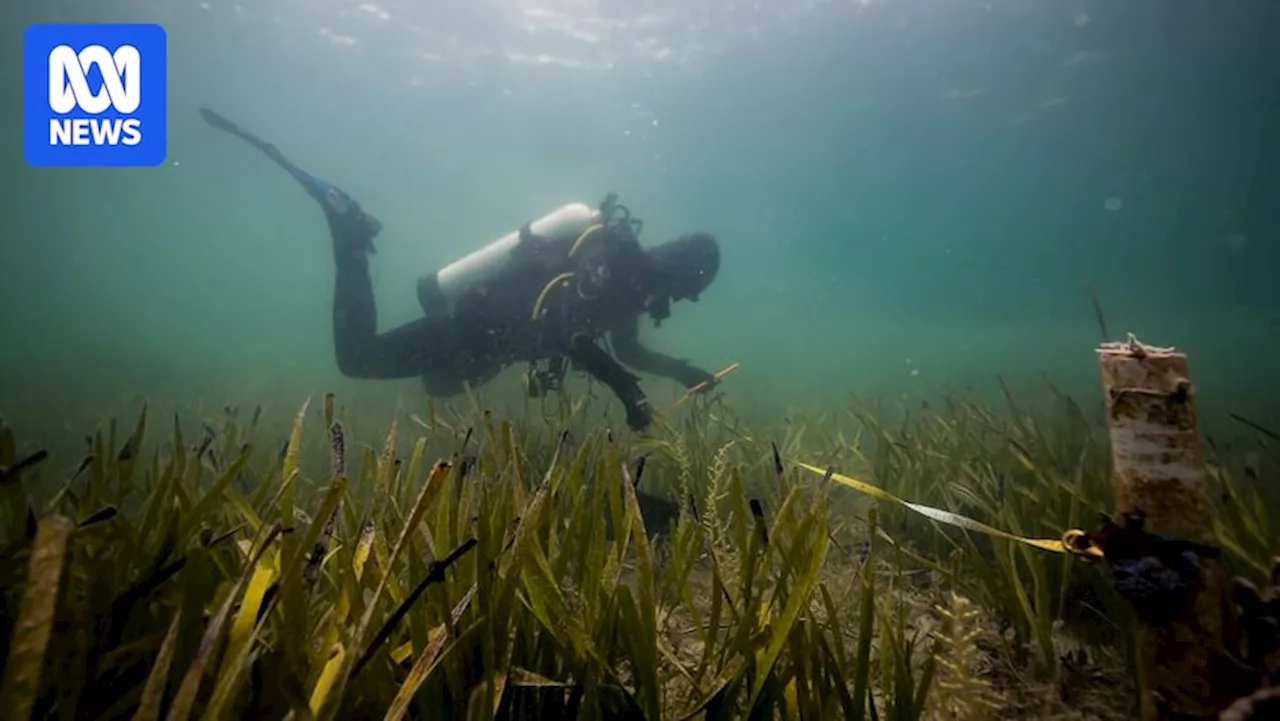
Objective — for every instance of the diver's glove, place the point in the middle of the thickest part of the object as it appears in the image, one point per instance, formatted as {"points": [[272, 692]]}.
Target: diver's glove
{"points": [[696, 380], [639, 413]]}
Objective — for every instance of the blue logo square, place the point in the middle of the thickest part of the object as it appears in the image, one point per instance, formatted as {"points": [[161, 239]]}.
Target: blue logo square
{"points": [[94, 95]]}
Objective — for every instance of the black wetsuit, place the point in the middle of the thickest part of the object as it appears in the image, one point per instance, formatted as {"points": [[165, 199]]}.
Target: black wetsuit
{"points": [[495, 326]]}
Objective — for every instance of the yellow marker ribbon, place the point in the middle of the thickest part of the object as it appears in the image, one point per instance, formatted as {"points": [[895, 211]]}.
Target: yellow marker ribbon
{"points": [[1071, 541]]}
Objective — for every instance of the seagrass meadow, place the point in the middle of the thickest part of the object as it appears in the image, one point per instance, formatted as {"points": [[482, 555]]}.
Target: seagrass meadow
{"points": [[448, 561]]}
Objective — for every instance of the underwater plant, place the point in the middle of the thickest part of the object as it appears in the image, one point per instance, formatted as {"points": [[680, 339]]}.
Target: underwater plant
{"points": [[545, 567]]}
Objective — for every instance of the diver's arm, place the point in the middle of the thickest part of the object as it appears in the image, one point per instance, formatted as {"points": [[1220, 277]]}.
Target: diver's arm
{"points": [[591, 358], [360, 350], [627, 346]]}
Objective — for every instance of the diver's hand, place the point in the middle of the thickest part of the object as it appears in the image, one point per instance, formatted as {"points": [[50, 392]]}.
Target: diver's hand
{"points": [[639, 414], [696, 380]]}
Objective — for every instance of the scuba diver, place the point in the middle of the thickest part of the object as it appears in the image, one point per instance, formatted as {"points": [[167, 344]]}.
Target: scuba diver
{"points": [[546, 294]]}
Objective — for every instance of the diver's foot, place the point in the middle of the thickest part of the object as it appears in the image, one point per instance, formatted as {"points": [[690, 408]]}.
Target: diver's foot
{"points": [[343, 211], [353, 230]]}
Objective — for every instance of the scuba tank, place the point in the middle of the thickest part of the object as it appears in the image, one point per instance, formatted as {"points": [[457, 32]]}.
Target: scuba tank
{"points": [[441, 290], [591, 256], [587, 262]]}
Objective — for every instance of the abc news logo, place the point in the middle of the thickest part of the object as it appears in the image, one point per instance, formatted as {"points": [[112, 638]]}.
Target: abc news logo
{"points": [[94, 94], [69, 89]]}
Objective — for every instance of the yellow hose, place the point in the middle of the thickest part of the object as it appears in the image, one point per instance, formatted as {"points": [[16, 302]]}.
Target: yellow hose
{"points": [[537, 305], [563, 277], [585, 234]]}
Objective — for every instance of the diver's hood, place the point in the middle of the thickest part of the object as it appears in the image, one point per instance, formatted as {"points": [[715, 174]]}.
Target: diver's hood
{"points": [[682, 268]]}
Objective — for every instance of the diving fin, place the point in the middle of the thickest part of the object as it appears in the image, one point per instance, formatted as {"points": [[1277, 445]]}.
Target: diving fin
{"points": [[332, 198]]}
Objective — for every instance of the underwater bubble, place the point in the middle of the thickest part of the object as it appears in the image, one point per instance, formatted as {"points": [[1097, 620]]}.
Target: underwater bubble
{"points": [[374, 11], [1113, 203]]}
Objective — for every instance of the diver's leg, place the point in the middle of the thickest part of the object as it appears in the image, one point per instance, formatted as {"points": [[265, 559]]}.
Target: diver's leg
{"points": [[402, 352], [337, 204]]}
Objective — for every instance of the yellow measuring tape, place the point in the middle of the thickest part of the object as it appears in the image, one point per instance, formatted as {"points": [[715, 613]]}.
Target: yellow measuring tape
{"points": [[1073, 541]]}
